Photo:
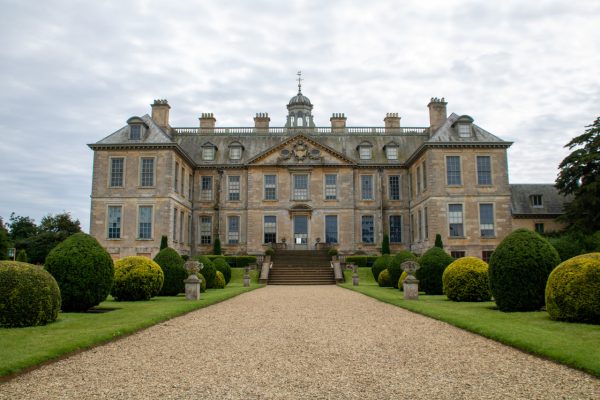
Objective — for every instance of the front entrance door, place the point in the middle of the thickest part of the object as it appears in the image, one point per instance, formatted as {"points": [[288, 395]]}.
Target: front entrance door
{"points": [[300, 232]]}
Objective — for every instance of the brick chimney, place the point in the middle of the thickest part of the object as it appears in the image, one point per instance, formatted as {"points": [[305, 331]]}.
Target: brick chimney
{"points": [[437, 113], [392, 121], [160, 113], [261, 122], [207, 121], [338, 122]]}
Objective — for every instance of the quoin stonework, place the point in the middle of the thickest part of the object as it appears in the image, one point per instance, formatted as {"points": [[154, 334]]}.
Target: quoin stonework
{"points": [[301, 186]]}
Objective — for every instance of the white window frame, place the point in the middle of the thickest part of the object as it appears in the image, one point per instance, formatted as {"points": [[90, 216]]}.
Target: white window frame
{"points": [[203, 192], [110, 172], [453, 218], [235, 153], [141, 163], [491, 175], [390, 227], [265, 228], [208, 153], [120, 227], [234, 237], [201, 224], [391, 152], [337, 228], [534, 202], [138, 236], [459, 170], [362, 188], [295, 195], [265, 187], [231, 187], [365, 152], [140, 131], [329, 189], [464, 130], [483, 226], [390, 187]]}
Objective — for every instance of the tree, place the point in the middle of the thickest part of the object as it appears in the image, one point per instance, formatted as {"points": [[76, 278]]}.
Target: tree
{"points": [[5, 243], [580, 176], [385, 247], [22, 256], [60, 223], [163, 243], [438, 241], [217, 246], [21, 228]]}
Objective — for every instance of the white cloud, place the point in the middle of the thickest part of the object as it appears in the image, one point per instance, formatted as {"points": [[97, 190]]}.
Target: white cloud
{"points": [[73, 72]]}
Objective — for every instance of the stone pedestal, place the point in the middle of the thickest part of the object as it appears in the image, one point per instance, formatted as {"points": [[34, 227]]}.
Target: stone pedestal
{"points": [[192, 283], [247, 277], [354, 275], [411, 289]]}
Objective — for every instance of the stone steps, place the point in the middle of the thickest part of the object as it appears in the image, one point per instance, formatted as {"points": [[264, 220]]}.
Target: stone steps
{"points": [[301, 267]]}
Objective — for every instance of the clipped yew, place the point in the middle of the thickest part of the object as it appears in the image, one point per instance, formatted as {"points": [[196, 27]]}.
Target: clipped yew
{"points": [[380, 263], [223, 266], [466, 279], [573, 290], [219, 280], [84, 272], [171, 264], [395, 267], [384, 279], [433, 263], [519, 269], [29, 295]]}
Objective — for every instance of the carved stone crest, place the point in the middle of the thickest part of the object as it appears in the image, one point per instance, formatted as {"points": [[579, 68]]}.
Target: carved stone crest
{"points": [[300, 150]]}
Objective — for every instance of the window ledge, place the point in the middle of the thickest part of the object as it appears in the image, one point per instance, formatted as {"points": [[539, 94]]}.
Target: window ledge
{"points": [[144, 240], [457, 237], [114, 239]]}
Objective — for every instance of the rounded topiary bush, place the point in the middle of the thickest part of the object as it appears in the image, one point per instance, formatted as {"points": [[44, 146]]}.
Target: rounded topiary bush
{"points": [[381, 263], [573, 290], [519, 269], [401, 280], [466, 279], [137, 278], [384, 278], [84, 272], [395, 267], [269, 252], [171, 264], [433, 263], [219, 281], [223, 266], [29, 295], [208, 270]]}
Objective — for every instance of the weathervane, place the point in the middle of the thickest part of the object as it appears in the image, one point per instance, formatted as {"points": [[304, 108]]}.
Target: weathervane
{"points": [[299, 81]]}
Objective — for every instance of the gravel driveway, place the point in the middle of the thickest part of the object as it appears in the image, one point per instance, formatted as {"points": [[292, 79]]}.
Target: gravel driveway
{"points": [[302, 342]]}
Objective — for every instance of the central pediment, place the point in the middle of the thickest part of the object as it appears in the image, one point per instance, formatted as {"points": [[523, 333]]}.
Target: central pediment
{"points": [[299, 150]]}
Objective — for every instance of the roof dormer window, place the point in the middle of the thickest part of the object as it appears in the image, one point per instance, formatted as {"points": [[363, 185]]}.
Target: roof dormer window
{"points": [[464, 126], [208, 151], [391, 151], [136, 128], [536, 201], [235, 151], [365, 151], [464, 130]]}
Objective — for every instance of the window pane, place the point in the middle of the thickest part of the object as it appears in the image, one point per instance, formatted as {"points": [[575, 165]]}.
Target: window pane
{"points": [[536, 200], [206, 188], [147, 173], [455, 219], [234, 188], [135, 132], [418, 178], [391, 153], [484, 170], [424, 175], [330, 187], [116, 171], [368, 231], [300, 187], [394, 187], [176, 183], [233, 224], [235, 153], [331, 230], [366, 187], [395, 228], [457, 254], [114, 222], [464, 130], [208, 153], [145, 222], [174, 225], [270, 228], [486, 220], [205, 230], [453, 170], [270, 187], [365, 152]]}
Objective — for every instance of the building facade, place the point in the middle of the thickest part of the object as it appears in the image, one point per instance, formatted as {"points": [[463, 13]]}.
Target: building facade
{"points": [[300, 186]]}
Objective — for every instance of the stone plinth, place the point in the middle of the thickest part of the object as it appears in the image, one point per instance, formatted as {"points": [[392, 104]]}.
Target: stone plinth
{"points": [[192, 283], [410, 284]]}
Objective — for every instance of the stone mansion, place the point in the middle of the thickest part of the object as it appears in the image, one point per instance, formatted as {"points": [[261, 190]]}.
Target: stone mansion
{"points": [[301, 186]]}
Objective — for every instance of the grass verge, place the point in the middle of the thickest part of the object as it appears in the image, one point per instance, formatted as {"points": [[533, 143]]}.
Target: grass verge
{"points": [[573, 344], [23, 348]]}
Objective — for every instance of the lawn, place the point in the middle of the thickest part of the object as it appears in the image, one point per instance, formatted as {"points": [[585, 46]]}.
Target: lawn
{"points": [[573, 344], [22, 348]]}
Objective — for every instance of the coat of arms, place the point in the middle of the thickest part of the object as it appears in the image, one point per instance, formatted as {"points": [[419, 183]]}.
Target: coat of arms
{"points": [[300, 150]]}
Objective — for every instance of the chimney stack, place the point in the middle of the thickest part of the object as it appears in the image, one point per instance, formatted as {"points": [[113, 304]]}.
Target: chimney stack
{"points": [[261, 122], [437, 113], [338, 122], [160, 113], [207, 121], [392, 121]]}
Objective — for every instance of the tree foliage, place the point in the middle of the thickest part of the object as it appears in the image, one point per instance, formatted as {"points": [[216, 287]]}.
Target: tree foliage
{"points": [[5, 242], [385, 247], [580, 176], [438, 241]]}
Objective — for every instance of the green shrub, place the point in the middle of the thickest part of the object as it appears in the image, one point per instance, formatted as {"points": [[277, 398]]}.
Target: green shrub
{"points": [[21, 256], [466, 279], [137, 278], [384, 278], [332, 252], [519, 269], [395, 267], [566, 246], [361, 261], [208, 271], [29, 295], [202, 283], [219, 281], [269, 252], [164, 243], [381, 263], [433, 263], [401, 280], [573, 290], [84, 272], [243, 261], [223, 266], [217, 246], [438, 241], [171, 264], [385, 246]]}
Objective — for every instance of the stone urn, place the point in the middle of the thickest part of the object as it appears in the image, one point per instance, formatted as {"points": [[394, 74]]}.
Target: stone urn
{"points": [[192, 283], [411, 283]]}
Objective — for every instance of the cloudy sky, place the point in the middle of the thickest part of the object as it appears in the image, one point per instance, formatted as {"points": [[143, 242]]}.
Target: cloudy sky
{"points": [[72, 72]]}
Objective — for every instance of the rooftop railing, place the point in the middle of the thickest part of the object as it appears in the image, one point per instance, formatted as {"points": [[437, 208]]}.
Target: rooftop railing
{"points": [[237, 131]]}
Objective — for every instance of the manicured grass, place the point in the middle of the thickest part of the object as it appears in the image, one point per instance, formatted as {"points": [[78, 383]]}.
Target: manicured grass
{"points": [[573, 344], [21, 348]]}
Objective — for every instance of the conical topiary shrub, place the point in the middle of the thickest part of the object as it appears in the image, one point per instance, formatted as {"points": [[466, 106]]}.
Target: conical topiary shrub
{"points": [[171, 264], [84, 272], [519, 269]]}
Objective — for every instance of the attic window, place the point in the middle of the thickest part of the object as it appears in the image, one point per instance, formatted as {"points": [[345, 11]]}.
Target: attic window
{"points": [[391, 151], [235, 151], [365, 151], [536, 200], [464, 126], [464, 130], [135, 132], [208, 153]]}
